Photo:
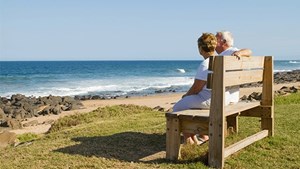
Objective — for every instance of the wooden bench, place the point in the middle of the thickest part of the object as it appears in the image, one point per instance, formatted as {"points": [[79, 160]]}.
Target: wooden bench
{"points": [[226, 71]]}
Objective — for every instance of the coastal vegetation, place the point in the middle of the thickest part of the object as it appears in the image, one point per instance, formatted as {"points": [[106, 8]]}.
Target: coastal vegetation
{"points": [[129, 136]]}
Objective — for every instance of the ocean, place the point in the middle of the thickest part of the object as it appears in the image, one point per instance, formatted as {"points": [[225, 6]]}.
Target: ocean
{"points": [[103, 78]]}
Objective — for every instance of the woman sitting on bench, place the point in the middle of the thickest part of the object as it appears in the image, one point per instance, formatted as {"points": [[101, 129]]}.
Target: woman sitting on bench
{"points": [[198, 95]]}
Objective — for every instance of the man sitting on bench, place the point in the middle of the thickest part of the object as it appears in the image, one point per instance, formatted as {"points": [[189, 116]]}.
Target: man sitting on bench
{"points": [[198, 96]]}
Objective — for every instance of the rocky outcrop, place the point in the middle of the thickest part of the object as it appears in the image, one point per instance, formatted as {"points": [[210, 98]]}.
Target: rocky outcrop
{"points": [[287, 77], [283, 91], [19, 107]]}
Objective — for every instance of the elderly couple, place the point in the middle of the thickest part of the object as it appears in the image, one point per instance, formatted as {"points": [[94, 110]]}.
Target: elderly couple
{"points": [[198, 96]]}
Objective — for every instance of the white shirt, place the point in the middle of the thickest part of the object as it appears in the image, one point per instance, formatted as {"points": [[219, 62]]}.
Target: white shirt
{"points": [[202, 75], [229, 51]]}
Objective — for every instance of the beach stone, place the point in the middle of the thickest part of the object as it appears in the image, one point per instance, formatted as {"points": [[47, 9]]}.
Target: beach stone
{"points": [[254, 96], [2, 114], [7, 138], [8, 110], [158, 108], [280, 92], [17, 97], [286, 89], [45, 111], [96, 97], [14, 124], [50, 121], [31, 123], [67, 99], [19, 113], [244, 97], [75, 105], [56, 110], [4, 100]]}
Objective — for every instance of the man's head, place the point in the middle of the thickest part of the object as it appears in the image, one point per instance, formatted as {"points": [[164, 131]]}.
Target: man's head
{"points": [[207, 43], [225, 41]]}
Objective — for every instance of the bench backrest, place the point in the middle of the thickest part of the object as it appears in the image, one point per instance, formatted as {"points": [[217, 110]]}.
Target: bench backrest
{"points": [[231, 71]]}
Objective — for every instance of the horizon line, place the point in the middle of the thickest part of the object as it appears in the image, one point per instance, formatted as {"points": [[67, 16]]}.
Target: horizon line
{"points": [[120, 60]]}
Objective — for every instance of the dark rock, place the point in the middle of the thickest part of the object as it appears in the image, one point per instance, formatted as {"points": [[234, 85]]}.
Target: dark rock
{"points": [[17, 97], [45, 111], [254, 96], [244, 97], [8, 110], [56, 110], [96, 97], [158, 108], [159, 91]]}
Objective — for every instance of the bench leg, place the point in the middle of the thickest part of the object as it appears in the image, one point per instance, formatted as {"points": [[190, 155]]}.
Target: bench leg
{"points": [[268, 124], [232, 124], [173, 139]]}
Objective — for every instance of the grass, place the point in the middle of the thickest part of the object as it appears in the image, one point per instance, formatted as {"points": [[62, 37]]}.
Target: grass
{"points": [[122, 136]]}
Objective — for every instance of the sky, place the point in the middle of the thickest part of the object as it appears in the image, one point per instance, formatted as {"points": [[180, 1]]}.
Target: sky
{"points": [[143, 29]]}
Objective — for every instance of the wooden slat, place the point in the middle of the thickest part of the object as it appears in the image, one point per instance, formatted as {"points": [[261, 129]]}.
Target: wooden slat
{"points": [[211, 63], [239, 107], [192, 126], [198, 115], [210, 73], [242, 77], [217, 119], [245, 142], [268, 95], [189, 113], [209, 80], [253, 62], [267, 92], [260, 111]]}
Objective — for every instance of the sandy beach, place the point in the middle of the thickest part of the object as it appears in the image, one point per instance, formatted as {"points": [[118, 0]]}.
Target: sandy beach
{"points": [[164, 100]]}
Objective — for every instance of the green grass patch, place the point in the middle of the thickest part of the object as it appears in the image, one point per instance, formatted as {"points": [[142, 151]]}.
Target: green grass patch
{"points": [[124, 136], [293, 98], [27, 137]]}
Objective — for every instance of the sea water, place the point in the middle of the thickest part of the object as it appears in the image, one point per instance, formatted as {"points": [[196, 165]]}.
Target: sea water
{"points": [[104, 78]]}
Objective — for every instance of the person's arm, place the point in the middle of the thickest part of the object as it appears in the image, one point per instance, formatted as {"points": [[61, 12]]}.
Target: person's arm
{"points": [[196, 87], [242, 52]]}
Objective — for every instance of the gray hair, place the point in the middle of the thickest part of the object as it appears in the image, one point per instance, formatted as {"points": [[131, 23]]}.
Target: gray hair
{"points": [[227, 36]]}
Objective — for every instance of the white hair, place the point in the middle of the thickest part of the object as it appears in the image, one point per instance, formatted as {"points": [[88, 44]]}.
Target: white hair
{"points": [[227, 36]]}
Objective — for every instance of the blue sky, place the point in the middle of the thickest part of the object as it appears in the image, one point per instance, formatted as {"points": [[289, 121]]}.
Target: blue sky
{"points": [[143, 29]]}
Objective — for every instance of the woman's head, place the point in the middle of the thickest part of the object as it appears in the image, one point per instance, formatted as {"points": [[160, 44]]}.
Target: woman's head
{"points": [[207, 43]]}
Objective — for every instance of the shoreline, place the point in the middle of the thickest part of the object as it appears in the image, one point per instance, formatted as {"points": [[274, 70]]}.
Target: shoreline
{"points": [[160, 100]]}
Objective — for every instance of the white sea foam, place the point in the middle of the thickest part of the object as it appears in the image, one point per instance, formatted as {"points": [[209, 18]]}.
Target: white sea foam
{"points": [[181, 70], [110, 86], [291, 61], [282, 71]]}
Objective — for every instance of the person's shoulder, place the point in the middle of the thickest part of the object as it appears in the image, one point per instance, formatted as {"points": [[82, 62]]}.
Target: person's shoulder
{"points": [[229, 51], [205, 63]]}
